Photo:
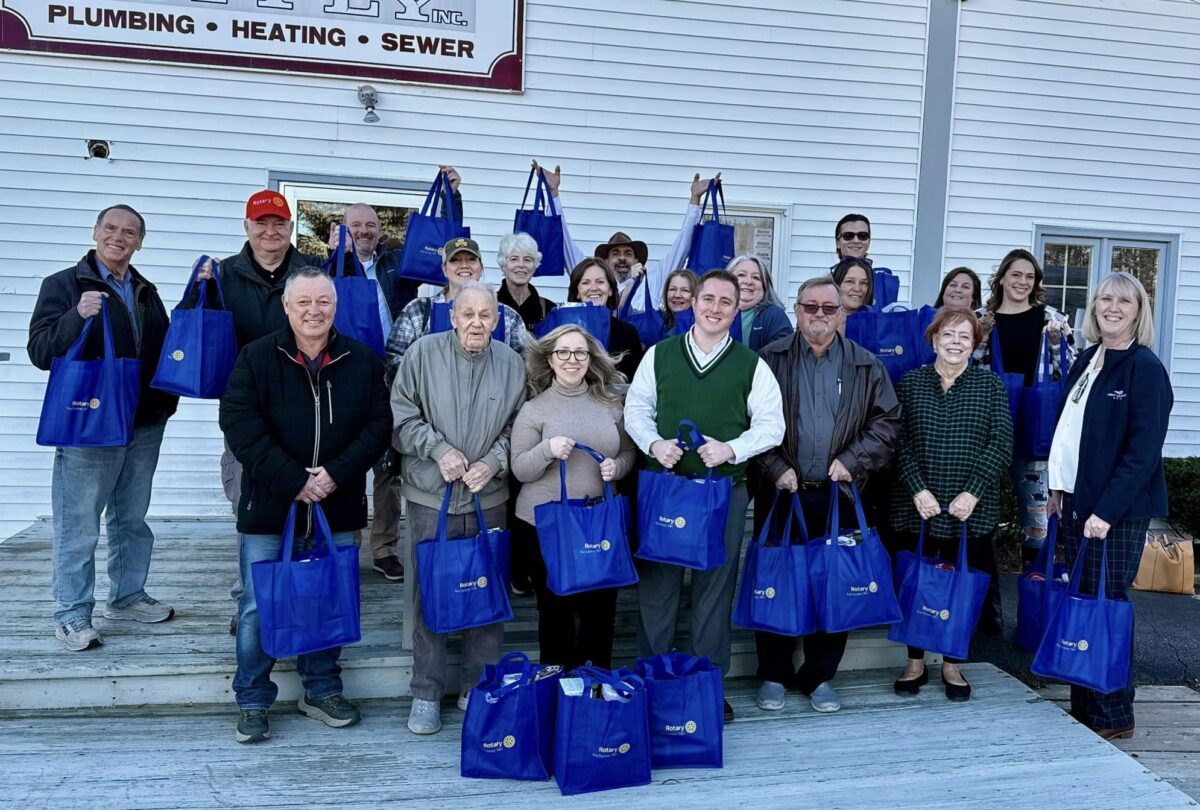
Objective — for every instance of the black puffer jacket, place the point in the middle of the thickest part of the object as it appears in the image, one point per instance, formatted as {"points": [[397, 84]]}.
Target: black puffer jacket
{"points": [[257, 306], [277, 422], [56, 324]]}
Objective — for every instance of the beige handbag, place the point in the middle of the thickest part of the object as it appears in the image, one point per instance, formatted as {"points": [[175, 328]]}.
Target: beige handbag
{"points": [[1168, 566]]}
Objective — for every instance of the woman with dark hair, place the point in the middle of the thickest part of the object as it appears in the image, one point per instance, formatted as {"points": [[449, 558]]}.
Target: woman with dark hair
{"points": [[1016, 316], [594, 282], [1106, 464], [761, 311], [571, 399], [857, 283], [678, 294], [961, 291]]}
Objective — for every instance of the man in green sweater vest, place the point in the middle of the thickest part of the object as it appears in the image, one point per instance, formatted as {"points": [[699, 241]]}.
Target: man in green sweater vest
{"points": [[705, 376]]}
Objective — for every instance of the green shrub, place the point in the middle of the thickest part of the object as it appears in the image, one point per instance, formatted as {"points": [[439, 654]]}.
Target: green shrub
{"points": [[1183, 493]]}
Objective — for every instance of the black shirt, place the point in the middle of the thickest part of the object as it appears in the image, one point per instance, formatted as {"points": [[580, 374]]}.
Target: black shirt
{"points": [[1021, 340], [534, 309], [271, 276]]}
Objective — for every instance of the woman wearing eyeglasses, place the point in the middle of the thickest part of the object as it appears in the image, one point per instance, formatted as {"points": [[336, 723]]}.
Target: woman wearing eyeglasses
{"points": [[955, 443], [594, 282], [1016, 316], [1106, 468], [762, 314], [569, 384]]}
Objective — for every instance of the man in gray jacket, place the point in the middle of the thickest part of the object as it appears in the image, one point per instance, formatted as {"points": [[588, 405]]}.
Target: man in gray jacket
{"points": [[454, 399]]}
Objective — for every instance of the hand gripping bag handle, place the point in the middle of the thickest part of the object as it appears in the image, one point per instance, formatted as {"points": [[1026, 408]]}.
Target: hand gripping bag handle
{"points": [[201, 301], [110, 353], [647, 301], [1077, 571], [323, 533], [339, 256], [562, 473]]}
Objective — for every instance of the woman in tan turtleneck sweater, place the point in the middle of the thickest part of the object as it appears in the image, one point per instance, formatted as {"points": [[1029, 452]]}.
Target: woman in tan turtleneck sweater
{"points": [[570, 379]]}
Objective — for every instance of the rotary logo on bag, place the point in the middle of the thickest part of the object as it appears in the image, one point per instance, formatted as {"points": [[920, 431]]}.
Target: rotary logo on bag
{"points": [[177, 355], [764, 593], [472, 584], [945, 615], [1083, 645], [669, 522], [1077, 646], [607, 751], [863, 590], [94, 403], [603, 545], [671, 728], [680, 522], [510, 741]]}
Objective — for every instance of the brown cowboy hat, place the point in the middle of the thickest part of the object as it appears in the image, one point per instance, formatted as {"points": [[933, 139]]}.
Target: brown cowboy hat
{"points": [[619, 238]]}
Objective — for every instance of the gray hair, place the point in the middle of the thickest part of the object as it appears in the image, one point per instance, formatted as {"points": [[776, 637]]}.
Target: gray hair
{"points": [[310, 271], [769, 294], [818, 281], [479, 287], [129, 209], [1127, 283], [521, 243]]}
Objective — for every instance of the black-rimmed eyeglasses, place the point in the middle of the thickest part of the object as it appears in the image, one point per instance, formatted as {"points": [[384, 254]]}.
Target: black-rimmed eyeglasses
{"points": [[563, 355], [824, 309], [861, 236]]}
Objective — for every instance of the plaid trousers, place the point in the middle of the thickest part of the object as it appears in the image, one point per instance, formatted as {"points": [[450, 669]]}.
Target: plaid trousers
{"points": [[1125, 543]]}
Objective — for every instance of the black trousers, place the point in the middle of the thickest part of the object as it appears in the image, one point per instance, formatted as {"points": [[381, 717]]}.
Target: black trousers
{"points": [[981, 555], [522, 545], [822, 651], [559, 640]]}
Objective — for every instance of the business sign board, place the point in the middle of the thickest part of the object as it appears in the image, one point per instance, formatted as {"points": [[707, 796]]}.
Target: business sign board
{"points": [[464, 43]]}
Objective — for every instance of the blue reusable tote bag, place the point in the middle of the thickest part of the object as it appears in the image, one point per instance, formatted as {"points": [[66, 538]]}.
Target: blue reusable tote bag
{"points": [[775, 595], [648, 322], [508, 731], [681, 520], [601, 744], [1039, 405], [887, 288], [543, 225], [461, 581], [851, 575], [439, 320], [1014, 384], [712, 240], [310, 603], [1088, 639], [595, 319], [1039, 591], [686, 710], [427, 232], [90, 403], [941, 605], [585, 541], [357, 314], [897, 337], [200, 346]]}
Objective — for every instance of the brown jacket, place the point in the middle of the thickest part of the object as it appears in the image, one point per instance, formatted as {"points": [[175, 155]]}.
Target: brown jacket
{"points": [[868, 418]]}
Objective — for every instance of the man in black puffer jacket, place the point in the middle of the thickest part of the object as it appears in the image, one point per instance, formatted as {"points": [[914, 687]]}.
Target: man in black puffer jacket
{"points": [[306, 413]]}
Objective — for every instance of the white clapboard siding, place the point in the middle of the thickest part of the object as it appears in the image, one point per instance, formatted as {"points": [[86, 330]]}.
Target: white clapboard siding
{"points": [[800, 110], [1084, 113]]}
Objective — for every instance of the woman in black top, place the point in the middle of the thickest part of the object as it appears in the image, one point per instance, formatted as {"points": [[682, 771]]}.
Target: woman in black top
{"points": [[519, 258], [593, 281]]}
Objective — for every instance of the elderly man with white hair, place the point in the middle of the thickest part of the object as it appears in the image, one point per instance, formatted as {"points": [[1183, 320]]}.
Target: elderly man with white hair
{"points": [[306, 415], [454, 400]]}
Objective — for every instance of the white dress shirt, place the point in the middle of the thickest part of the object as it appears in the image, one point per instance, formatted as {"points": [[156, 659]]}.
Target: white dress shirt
{"points": [[385, 315]]}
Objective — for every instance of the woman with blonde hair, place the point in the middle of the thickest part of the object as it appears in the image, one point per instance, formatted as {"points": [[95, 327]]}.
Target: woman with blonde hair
{"points": [[570, 384]]}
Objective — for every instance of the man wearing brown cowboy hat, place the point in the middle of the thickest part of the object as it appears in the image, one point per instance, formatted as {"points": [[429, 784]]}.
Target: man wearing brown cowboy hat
{"points": [[629, 257]]}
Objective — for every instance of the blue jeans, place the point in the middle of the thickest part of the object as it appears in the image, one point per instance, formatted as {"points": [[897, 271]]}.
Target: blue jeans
{"points": [[116, 481], [252, 684], [1031, 489]]}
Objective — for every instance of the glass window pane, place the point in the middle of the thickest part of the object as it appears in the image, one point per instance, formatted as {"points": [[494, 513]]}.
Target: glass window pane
{"points": [[754, 235], [315, 217], [1076, 299], [1054, 260], [1140, 262], [1079, 265]]}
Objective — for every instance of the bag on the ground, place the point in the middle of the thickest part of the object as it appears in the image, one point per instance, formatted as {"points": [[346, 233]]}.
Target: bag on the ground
{"points": [[681, 520], [200, 346], [585, 541], [896, 337], [463, 582], [508, 731], [712, 240], [1039, 590], [309, 603], [90, 403], [1168, 566], [543, 225], [775, 595], [602, 737], [686, 710], [439, 320], [1039, 406], [851, 573], [941, 603], [649, 322], [357, 313], [427, 232], [595, 319], [1088, 639]]}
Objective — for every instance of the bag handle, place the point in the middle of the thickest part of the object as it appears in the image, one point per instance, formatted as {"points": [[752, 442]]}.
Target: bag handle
{"points": [[323, 533], [858, 507], [447, 198], [562, 473], [528, 186], [623, 682], [795, 513], [201, 302], [76, 348], [713, 192], [338, 268], [997, 352], [1077, 571], [429, 207], [444, 513], [647, 302]]}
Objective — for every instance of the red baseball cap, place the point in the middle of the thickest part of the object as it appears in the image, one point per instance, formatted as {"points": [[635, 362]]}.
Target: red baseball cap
{"points": [[267, 203]]}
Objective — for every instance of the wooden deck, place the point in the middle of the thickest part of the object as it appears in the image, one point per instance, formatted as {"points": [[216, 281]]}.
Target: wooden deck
{"points": [[1006, 748], [190, 659]]}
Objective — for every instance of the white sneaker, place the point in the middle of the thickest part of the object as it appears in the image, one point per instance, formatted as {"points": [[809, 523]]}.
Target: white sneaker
{"points": [[463, 700], [824, 699], [146, 609], [770, 696], [425, 717], [78, 635]]}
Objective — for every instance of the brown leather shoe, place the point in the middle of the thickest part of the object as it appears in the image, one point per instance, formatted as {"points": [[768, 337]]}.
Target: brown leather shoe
{"points": [[728, 712], [1115, 733]]}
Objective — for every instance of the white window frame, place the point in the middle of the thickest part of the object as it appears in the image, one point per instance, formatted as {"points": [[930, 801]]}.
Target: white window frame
{"points": [[780, 249]]}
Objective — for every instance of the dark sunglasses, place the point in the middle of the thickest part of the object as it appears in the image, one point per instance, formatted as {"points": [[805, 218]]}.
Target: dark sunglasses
{"points": [[824, 309], [861, 236]]}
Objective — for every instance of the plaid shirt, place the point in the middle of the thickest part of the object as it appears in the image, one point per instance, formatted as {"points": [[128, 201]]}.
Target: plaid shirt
{"points": [[413, 323], [952, 441]]}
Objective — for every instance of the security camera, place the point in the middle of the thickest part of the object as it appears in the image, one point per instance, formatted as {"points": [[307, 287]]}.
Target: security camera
{"points": [[98, 149]]}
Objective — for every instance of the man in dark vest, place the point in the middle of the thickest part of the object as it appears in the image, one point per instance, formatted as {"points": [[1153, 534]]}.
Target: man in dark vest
{"points": [[731, 395]]}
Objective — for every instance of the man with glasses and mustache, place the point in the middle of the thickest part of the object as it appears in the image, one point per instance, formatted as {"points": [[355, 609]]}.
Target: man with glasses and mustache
{"points": [[841, 420]]}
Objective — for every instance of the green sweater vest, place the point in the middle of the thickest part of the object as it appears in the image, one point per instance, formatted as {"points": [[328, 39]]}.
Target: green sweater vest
{"points": [[715, 399]]}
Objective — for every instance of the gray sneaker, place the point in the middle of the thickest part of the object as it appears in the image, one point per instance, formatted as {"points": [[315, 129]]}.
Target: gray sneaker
{"points": [[78, 635], [770, 696], [253, 726], [334, 711], [146, 609], [464, 700], [824, 699], [425, 717]]}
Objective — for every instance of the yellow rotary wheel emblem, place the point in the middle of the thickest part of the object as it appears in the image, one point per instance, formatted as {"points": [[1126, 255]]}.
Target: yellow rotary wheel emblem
{"points": [[510, 741], [945, 614], [680, 522], [769, 593], [624, 749], [873, 587], [690, 726], [481, 582], [177, 355], [1083, 645], [94, 403], [605, 545]]}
